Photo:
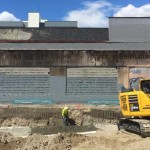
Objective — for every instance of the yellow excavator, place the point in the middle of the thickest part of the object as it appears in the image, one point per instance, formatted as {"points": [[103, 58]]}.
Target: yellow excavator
{"points": [[135, 107]]}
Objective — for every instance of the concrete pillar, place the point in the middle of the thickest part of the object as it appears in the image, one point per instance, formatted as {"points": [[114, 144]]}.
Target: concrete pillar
{"points": [[123, 76]]}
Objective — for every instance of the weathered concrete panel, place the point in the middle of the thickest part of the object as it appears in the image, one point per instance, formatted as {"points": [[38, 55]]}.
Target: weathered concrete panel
{"points": [[58, 71], [61, 34], [61, 24], [123, 78], [92, 81], [43, 85], [131, 58], [58, 62], [14, 34], [129, 29], [25, 85], [91, 72], [106, 46], [14, 24], [45, 58]]}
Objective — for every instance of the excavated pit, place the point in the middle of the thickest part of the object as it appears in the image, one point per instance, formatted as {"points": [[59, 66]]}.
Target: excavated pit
{"points": [[40, 128], [48, 120]]}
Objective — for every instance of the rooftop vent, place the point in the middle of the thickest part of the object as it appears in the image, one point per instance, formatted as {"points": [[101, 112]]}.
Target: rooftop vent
{"points": [[33, 20]]}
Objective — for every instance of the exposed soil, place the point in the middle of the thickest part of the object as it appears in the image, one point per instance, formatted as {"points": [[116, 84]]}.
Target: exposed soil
{"points": [[104, 139], [47, 120], [34, 116], [46, 130]]}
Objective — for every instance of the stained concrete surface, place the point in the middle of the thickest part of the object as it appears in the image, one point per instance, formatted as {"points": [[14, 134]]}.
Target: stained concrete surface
{"points": [[17, 131], [62, 129]]}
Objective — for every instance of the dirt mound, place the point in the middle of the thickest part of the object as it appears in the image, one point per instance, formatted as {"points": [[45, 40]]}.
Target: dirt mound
{"points": [[68, 141], [8, 142], [35, 141], [58, 142], [5, 137], [103, 140]]}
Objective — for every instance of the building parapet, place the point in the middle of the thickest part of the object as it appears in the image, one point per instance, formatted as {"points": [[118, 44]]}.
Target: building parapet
{"points": [[107, 46]]}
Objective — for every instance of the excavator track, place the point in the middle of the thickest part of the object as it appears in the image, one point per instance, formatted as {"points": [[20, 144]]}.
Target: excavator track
{"points": [[139, 126]]}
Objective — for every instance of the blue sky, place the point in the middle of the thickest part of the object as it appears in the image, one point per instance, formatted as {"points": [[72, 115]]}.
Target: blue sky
{"points": [[91, 13]]}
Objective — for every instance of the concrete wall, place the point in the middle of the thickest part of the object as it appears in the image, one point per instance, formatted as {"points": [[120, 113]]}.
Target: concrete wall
{"points": [[37, 85], [55, 34], [73, 58], [44, 58], [129, 29], [60, 24], [93, 79], [85, 50]]}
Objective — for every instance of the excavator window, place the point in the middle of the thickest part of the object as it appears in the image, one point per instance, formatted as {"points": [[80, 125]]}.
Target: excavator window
{"points": [[134, 83], [145, 86], [123, 89]]}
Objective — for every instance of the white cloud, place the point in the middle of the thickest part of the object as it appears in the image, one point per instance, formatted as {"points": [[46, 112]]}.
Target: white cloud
{"points": [[6, 16], [132, 11], [93, 14]]}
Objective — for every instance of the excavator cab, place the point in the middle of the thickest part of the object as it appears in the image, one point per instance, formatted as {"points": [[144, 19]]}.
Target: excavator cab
{"points": [[135, 106], [145, 86], [135, 101]]}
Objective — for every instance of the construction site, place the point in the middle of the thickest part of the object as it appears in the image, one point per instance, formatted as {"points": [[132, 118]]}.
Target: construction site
{"points": [[47, 65], [40, 127]]}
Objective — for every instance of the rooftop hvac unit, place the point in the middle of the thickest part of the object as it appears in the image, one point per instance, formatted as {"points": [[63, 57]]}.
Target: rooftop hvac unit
{"points": [[33, 20]]}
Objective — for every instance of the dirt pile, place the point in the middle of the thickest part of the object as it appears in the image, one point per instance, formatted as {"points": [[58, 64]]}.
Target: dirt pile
{"points": [[58, 142], [40, 142], [103, 140], [5, 137], [9, 142]]}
